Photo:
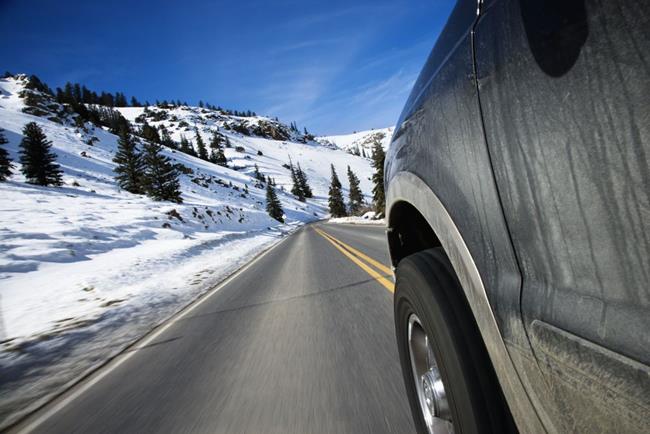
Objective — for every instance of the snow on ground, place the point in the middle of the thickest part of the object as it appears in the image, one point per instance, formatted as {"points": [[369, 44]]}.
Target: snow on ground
{"points": [[366, 219], [87, 268], [359, 143]]}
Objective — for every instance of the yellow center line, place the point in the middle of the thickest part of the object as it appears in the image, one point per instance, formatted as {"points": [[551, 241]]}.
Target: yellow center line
{"points": [[378, 265], [378, 277]]}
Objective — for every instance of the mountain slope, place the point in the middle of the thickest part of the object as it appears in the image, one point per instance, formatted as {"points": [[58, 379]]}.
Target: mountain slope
{"points": [[87, 264], [90, 215], [359, 143]]}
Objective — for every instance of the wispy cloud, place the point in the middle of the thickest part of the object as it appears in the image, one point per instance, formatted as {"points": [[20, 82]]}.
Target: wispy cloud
{"points": [[332, 15], [295, 87], [305, 44], [374, 105]]}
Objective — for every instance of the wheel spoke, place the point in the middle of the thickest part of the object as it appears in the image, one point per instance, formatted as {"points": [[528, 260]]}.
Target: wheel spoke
{"points": [[428, 381]]}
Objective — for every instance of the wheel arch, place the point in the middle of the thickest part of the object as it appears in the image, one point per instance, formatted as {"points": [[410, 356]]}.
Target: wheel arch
{"points": [[409, 232], [418, 220]]}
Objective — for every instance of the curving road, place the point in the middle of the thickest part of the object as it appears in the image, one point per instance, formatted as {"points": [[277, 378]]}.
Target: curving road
{"points": [[300, 341]]}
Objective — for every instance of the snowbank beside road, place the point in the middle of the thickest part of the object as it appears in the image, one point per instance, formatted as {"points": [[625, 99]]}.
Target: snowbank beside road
{"points": [[130, 304], [366, 219]]}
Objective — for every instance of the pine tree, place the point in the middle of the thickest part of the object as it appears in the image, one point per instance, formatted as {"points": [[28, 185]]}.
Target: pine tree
{"points": [[86, 96], [258, 175], [228, 145], [335, 201], [166, 139], [129, 162], [5, 161], [186, 147], [150, 133], [296, 190], [77, 93], [217, 155], [304, 182], [160, 177], [68, 93], [200, 146], [356, 196], [38, 161], [378, 196], [273, 206]]}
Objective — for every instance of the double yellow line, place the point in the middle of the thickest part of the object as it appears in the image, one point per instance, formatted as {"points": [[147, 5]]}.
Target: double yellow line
{"points": [[358, 258]]}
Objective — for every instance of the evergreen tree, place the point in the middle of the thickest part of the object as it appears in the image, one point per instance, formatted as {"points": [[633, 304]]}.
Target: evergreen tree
{"points": [[200, 145], [5, 161], [215, 140], [60, 96], [258, 175], [116, 122], [186, 147], [129, 162], [295, 189], [304, 183], [38, 161], [68, 93], [217, 155], [86, 96], [107, 99], [160, 177], [356, 196], [378, 196], [228, 145], [77, 93], [273, 206], [166, 139], [150, 133], [120, 100], [335, 201]]}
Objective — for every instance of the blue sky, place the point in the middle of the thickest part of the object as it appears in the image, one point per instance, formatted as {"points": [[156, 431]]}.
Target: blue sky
{"points": [[333, 66]]}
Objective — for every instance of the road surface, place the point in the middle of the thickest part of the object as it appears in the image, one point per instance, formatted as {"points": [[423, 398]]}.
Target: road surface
{"points": [[301, 341]]}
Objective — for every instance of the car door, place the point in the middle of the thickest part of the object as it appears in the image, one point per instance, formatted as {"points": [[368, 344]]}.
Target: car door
{"points": [[564, 87]]}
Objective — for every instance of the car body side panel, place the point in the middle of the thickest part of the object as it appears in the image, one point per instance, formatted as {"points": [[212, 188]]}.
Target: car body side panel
{"points": [[440, 140], [407, 187], [565, 93]]}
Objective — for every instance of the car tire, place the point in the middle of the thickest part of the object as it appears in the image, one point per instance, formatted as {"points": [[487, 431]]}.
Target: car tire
{"points": [[438, 342]]}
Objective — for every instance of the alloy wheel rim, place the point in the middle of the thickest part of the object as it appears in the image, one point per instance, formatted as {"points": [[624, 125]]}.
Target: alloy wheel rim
{"points": [[429, 386]]}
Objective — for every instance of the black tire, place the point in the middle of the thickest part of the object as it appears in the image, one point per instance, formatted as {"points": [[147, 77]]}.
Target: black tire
{"points": [[426, 286]]}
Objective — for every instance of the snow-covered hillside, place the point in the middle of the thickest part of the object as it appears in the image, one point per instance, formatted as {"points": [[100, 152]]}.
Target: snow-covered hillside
{"points": [[359, 143], [85, 268]]}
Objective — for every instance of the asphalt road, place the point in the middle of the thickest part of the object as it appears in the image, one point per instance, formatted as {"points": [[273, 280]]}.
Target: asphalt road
{"points": [[301, 341]]}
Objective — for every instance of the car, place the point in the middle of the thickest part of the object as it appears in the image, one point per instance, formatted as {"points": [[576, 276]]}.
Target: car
{"points": [[518, 220]]}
